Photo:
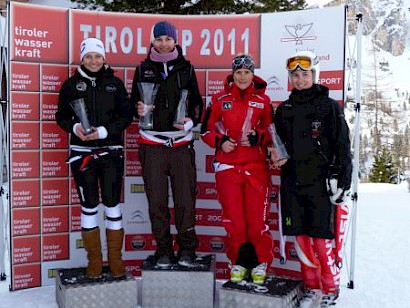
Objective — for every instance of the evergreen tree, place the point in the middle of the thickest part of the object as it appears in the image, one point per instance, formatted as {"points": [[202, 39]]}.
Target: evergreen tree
{"points": [[183, 7], [383, 170]]}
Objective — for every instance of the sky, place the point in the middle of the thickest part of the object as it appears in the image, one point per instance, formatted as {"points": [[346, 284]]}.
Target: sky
{"points": [[69, 4], [381, 264]]}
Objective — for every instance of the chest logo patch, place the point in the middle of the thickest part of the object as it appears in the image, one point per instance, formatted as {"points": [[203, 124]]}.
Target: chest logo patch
{"points": [[81, 86], [110, 88], [315, 129], [226, 105], [256, 105]]}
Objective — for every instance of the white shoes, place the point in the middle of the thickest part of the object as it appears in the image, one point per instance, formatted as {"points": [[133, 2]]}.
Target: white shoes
{"points": [[311, 298]]}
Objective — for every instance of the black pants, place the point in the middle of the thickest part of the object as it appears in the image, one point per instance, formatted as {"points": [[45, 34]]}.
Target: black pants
{"points": [[105, 173], [178, 164], [306, 209]]}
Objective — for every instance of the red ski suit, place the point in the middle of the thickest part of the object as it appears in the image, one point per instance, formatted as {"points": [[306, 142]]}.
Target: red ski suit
{"points": [[242, 179]]}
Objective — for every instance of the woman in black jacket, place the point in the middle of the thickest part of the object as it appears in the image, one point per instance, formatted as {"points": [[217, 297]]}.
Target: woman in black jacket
{"points": [[316, 136], [96, 155], [166, 147]]}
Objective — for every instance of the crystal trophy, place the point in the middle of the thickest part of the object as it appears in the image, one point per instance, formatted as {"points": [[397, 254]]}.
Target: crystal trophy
{"points": [[278, 146], [247, 124], [180, 115], [80, 111], [148, 92], [220, 128]]}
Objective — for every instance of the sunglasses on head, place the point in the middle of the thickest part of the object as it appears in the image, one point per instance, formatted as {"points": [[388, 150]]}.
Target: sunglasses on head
{"points": [[305, 63], [245, 62]]}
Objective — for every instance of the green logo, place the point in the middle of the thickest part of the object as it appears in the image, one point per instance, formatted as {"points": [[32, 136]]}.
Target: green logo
{"points": [[288, 221]]}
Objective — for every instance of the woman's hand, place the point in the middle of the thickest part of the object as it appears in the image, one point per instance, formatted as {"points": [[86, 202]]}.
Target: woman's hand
{"points": [[186, 124], [80, 132], [229, 145], [274, 158], [143, 109]]}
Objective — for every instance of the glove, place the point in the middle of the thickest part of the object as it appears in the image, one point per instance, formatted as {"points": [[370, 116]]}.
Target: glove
{"points": [[253, 138], [223, 139], [338, 184], [337, 195]]}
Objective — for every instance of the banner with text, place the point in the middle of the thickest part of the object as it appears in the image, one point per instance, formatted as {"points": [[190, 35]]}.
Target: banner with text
{"points": [[44, 51]]}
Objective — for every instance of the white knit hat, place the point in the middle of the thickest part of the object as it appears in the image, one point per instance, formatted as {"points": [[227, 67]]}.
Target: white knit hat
{"points": [[92, 44]]}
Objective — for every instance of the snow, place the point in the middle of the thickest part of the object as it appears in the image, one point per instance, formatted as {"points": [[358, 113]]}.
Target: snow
{"points": [[381, 264]]}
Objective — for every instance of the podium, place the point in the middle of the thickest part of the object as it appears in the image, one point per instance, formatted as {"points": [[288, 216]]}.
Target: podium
{"points": [[274, 293], [74, 290], [179, 286]]}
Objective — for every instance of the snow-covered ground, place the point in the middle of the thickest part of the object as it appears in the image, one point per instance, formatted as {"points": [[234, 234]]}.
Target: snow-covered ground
{"points": [[382, 264]]}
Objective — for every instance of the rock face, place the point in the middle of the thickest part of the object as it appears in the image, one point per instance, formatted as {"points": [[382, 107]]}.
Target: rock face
{"points": [[384, 20]]}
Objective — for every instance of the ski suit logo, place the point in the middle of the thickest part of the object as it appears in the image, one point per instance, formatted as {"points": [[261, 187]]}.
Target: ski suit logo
{"points": [[81, 86], [256, 105], [226, 105], [315, 129]]}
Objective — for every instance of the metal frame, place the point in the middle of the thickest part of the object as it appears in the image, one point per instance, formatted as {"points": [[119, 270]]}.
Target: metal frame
{"points": [[4, 153], [354, 62]]}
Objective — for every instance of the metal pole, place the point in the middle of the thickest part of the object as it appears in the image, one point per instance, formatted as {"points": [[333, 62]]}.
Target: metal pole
{"points": [[356, 149], [3, 207]]}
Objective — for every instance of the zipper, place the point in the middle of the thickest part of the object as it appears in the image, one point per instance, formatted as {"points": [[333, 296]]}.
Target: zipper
{"points": [[94, 95]]}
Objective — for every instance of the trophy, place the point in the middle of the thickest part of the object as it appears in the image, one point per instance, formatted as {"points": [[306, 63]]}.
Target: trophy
{"points": [[220, 128], [148, 91], [181, 110], [80, 111], [278, 145], [247, 124]]}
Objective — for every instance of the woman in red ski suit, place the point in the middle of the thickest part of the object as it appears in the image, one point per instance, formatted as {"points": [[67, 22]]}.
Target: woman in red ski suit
{"points": [[235, 125]]}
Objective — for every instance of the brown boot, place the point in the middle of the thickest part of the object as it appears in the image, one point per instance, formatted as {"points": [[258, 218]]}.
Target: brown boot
{"points": [[92, 244], [114, 243]]}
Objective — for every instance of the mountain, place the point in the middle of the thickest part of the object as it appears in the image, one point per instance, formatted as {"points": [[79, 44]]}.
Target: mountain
{"points": [[385, 100]]}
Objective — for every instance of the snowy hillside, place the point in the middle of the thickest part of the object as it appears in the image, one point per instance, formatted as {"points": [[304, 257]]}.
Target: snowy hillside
{"points": [[385, 113]]}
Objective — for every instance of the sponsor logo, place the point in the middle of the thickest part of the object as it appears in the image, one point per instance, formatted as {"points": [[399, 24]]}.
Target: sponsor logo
{"points": [[137, 217], [226, 105], [51, 273], [138, 242], [206, 191], [299, 33], [256, 105], [221, 271], [137, 188], [273, 196], [79, 244], [214, 218], [216, 244], [293, 254]]}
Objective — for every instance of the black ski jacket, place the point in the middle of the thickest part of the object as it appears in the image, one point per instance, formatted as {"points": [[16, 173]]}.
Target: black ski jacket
{"points": [[181, 75], [315, 133], [106, 102]]}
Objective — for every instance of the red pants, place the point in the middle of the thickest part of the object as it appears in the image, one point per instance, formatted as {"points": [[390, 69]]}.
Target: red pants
{"points": [[244, 211], [318, 272]]}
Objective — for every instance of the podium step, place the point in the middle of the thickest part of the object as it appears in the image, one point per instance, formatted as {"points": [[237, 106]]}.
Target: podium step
{"points": [[274, 293], [178, 286], [74, 290]]}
